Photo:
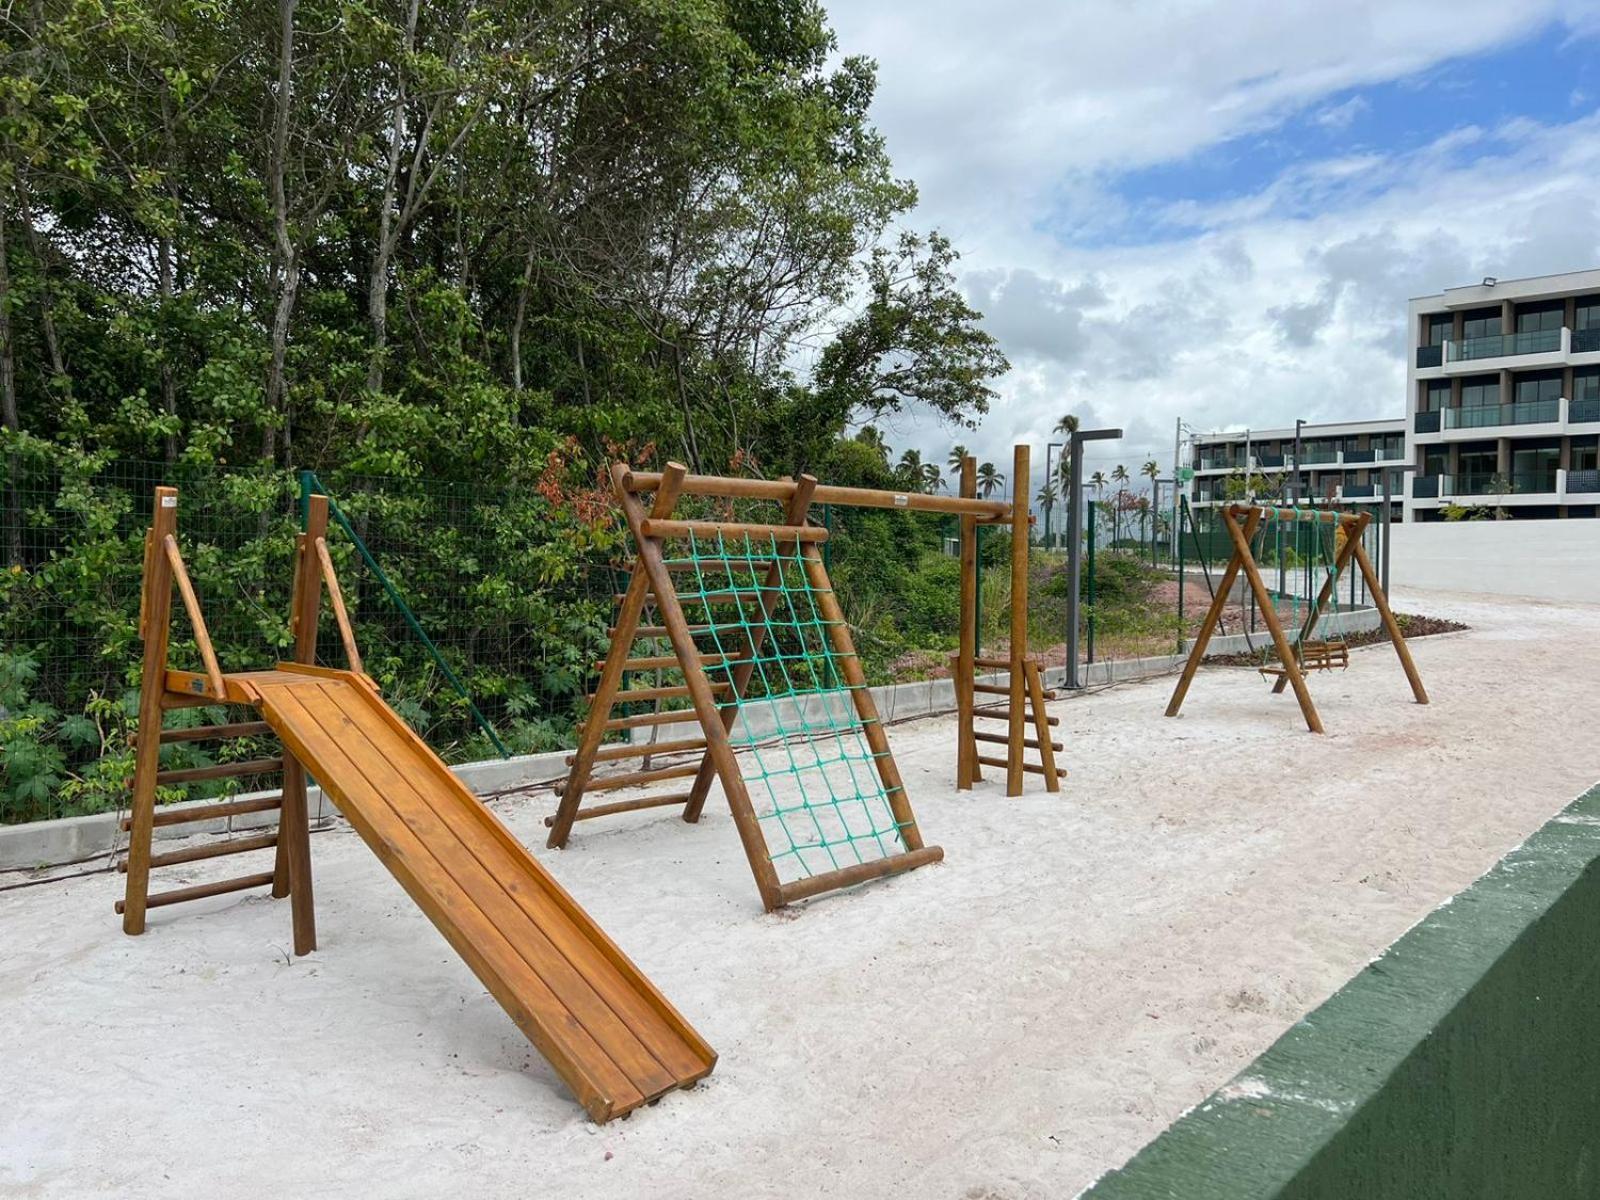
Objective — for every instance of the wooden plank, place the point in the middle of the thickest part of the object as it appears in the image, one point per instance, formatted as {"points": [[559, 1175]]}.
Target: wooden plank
{"points": [[155, 608], [622, 806], [848, 497], [229, 770], [858, 873], [347, 636], [968, 770], [188, 814], [197, 619], [207, 733], [611, 783], [1020, 492], [201, 891], [475, 883], [734, 529], [293, 867], [644, 749], [217, 849]]}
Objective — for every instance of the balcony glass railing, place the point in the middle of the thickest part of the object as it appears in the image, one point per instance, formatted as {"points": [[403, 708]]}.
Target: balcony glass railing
{"points": [[1360, 456], [1270, 461], [1357, 491], [1534, 341], [1221, 464], [1478, 416], [1517, 483], [1583, 481], [1587, 409], [1430, 356], [1585, 341], [1425, 487], [1426, 422]]}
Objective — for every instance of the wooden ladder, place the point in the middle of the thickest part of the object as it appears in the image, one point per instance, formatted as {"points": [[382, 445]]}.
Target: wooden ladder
{"points": [[1032, 696]]}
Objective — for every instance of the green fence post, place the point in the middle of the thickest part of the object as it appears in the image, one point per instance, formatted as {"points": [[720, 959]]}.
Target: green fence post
{"points": [[308, 481], [337, 514], [1182, 583]]}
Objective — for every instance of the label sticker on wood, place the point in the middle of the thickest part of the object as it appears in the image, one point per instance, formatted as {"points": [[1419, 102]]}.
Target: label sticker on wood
{"points": [[169, 502], [901, 501]]}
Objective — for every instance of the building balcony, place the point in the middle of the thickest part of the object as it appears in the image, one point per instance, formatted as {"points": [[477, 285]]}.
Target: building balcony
{"points": [[1505, 345], [1506, 490], [1586, 341], [1504, 351], [1360, 456], [1272, 462], [1527, 418], [1430, 356]]}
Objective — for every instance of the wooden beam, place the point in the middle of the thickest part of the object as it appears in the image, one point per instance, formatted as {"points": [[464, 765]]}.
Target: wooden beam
{"points": [[622, 806], [200, 891], [846, 497], [734, 529], [347, 635], [208, 812], [197, 619], [644, 749], [228, 770], [217, 849]]}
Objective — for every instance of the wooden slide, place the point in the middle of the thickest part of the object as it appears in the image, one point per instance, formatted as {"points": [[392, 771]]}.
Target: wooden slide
{"points": [[610, 1034]]}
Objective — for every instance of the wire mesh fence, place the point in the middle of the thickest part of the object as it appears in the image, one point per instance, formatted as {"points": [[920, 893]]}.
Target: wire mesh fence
{"points": [[482, 612]]}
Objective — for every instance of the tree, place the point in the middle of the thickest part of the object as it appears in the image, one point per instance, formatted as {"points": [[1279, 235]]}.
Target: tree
{"points": [[990, 481], [1098, 481], [932, 478], [1151, 471], [958, 455], [1066, 427]]}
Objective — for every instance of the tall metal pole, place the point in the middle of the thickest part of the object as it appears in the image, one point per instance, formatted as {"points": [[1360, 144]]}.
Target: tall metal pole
{"points": [[1177, 474]]}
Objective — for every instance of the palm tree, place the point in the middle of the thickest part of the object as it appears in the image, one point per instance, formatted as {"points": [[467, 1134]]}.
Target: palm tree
{"points": [[1067, 426], [958, 455], [989, 480], [1046, 499], [1064, 477], [1151, 471], [871, 435], [932, 477], [909, 468], [1098, 482]]}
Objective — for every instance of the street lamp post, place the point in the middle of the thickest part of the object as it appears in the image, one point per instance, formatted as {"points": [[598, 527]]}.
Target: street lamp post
{"points": [[1075, 540]]}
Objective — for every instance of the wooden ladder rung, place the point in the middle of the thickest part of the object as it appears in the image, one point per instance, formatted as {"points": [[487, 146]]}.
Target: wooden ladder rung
{"points": [[642, 750], [1001, 739], [253, 766], [643, 695], [620, 806], [1004, 714], [212, 850], [992, 689], [610, 783], [662, 662], [205, 812], [660, 631], [1031, 768], [206, 733], [201, 890], [1003, 664], [676, 717]]}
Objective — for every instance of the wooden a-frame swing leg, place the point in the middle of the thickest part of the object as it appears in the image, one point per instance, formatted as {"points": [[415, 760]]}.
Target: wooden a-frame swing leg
{"points": [[1381, 601], [744, 667], [1219, 601], [1269, 614], [610, 684], [1308, 627]]}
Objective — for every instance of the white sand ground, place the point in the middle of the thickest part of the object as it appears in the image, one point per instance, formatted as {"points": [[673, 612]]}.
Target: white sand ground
{"points": [[1008, 1024]]}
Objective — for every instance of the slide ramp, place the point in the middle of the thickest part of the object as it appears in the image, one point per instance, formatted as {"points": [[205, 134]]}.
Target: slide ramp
{"points": [[608, 1032]]}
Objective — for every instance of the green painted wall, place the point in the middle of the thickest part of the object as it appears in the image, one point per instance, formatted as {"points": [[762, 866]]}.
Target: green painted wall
{"points": [[1462, 1064]]}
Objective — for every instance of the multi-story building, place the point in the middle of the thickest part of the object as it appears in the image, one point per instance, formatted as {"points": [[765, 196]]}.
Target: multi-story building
{"points": [[1503, 397], [1342, 462]]}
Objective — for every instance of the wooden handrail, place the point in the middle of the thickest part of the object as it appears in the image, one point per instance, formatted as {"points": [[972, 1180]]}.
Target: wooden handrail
{"points": [[336, 599], [191, 604]]}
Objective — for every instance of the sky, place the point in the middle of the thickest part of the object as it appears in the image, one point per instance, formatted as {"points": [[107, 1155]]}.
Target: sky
{"points": [[1216, 212]]}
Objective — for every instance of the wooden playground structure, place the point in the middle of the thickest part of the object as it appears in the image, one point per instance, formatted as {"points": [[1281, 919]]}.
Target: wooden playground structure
{"points": [[1296, 658], [609, 1033], [746, 616]]}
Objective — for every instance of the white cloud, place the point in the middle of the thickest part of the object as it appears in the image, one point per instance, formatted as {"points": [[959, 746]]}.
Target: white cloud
{"points": [[1342, 116], [1285, 303]]}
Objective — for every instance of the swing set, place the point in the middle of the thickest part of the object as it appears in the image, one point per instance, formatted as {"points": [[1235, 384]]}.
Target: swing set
{"points": [[1337, 538]]}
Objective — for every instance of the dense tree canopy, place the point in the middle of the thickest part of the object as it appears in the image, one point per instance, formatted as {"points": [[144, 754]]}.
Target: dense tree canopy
{"points": [[439, 239]]}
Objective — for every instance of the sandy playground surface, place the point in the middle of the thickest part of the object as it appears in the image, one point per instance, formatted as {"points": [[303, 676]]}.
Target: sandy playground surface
{"points": [[1008, 1024]]}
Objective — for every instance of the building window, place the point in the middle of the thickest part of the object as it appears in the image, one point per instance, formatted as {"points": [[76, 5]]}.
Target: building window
{"points": [[1543, 385], [1435, 395], [1533, 318], [1481, 322], [1437, 328], [1585, 455], [1588, 313], [1586, 384], [1478, 390]]}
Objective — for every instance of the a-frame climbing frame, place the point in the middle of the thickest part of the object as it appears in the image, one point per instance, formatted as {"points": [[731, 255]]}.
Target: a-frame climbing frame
{"points": [[609, 1033], [1242, 522], [1022, 708], [768, 665]]}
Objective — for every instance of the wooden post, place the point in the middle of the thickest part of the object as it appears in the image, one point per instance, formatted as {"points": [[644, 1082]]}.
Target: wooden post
{"points": [[1381, 600], [855, 676], [1269, 614], [968, 770], [1213, 615], [1020, 509], [292, 871], [794, 514], [155, 620], [1341, 560], [605, 694], [658, 579]]}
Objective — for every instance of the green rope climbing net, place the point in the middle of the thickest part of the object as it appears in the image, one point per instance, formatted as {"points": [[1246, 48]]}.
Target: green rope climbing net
{"points": [[812, 775]]}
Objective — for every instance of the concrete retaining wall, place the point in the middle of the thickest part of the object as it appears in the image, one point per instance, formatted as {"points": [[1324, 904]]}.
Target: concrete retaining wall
{"points": [[1547, 560], [1464, 1062]]}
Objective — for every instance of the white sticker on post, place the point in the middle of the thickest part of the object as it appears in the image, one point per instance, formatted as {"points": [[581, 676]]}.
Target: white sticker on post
{"points": [[169, 502], [901, 501]]}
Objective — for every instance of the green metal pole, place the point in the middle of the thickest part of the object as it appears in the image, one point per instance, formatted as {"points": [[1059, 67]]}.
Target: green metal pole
{"points": [[1182, 584], [308, 481], [1089, 656], [337, 514]]}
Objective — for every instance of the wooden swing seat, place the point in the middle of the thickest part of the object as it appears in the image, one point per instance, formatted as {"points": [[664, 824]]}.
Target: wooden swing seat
{"points": [[1317, 656]]}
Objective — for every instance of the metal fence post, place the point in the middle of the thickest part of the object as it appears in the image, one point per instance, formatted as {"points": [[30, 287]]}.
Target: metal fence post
{"points": [[1089, 651]]}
